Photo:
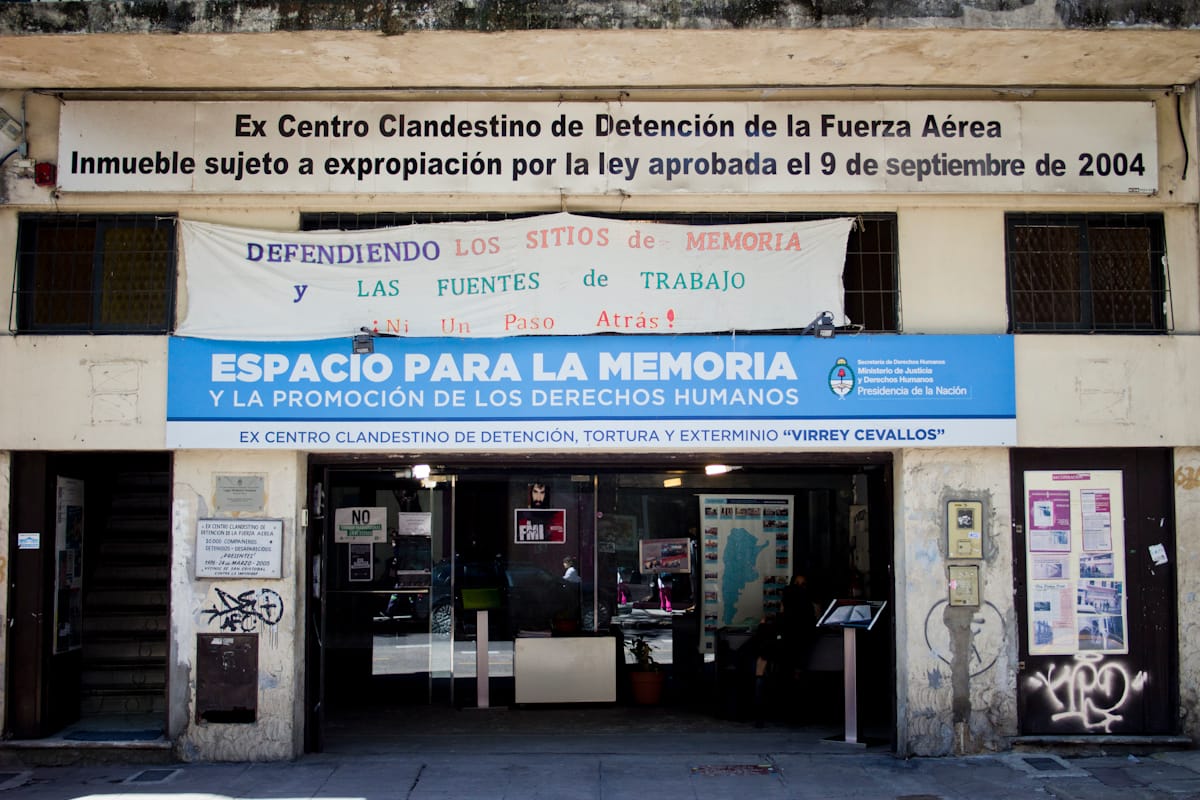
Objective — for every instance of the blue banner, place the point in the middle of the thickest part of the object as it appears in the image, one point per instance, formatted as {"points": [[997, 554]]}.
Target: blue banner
{"points": [[616, 382]]}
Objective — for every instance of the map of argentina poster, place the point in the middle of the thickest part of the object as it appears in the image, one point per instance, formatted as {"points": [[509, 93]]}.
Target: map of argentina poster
{"points": [[745, 559]]}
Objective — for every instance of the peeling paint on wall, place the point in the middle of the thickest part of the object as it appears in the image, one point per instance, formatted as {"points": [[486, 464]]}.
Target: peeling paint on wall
{"points": [[961, 683], [115, 388], [1187, 478], [268, 608], [399, 18], [1187, 564]]}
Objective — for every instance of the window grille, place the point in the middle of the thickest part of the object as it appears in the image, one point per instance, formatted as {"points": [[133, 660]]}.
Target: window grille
{"points": [[869, 277], [1087, 273], [94, 274]]}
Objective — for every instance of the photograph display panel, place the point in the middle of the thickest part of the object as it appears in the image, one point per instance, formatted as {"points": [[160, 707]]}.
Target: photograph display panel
{"points": [[1075, 565]]}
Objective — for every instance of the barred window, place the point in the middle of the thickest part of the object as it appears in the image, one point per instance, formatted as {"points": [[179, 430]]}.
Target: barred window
{"points": [[872, 293], [94, 274], [1076, 273]]}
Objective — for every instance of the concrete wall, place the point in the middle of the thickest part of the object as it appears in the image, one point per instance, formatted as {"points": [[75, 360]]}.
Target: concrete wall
{"points": [[197, 608], [83, 393], [956, 666], [1187, 579], [1100, 391], [608, 64], [109, 393]]}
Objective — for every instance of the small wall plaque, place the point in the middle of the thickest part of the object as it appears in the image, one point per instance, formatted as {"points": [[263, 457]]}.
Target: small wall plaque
{"points": [[240, 494]]}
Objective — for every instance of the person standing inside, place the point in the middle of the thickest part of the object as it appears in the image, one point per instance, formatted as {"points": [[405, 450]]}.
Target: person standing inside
{"points": [[799, 637], [570, 570], [664, 591], [799, 620]]}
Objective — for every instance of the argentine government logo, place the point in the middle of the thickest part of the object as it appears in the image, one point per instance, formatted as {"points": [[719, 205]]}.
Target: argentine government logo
{"points": [[841, 378]]}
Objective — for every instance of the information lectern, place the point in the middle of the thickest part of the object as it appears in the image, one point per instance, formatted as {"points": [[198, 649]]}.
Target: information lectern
{"points": [[851, 616]]}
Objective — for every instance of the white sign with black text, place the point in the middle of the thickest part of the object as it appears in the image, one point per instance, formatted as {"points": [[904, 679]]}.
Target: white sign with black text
{"points": [[590, 148], [239, 548]]}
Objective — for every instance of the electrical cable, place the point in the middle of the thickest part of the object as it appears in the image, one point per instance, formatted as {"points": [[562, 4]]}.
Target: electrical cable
{"points": [[1182, 135]]}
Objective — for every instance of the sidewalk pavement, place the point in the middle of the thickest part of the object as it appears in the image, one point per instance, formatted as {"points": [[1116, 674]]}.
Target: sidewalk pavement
{"points": [[762, 765]]}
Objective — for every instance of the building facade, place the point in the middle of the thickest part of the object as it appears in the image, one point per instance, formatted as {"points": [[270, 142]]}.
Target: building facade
{"points": [[308, 396]]}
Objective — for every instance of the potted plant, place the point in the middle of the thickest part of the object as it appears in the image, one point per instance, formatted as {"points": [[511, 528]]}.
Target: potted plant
{"points": [[565, 622], [645, 679]]}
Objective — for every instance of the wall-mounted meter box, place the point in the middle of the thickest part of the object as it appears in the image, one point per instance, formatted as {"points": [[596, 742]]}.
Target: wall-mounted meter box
{"points": [[10, 127], [227, 677]]}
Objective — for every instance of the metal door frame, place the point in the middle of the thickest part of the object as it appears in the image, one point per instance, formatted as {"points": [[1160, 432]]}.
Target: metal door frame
{"points": [[318, 534]]}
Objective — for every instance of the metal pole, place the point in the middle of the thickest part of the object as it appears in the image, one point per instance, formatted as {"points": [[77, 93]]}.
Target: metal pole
{"points": [[481, 658], [850, 656]]}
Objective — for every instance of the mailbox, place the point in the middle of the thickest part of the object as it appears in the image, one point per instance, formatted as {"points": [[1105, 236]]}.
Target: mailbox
{"points": [[226, 677]]}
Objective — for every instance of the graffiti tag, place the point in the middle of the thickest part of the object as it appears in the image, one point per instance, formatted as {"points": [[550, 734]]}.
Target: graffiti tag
{"points": [[1088, 692], [244, 611]]}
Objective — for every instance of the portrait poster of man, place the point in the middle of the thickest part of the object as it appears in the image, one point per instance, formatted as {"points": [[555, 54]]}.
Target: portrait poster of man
{"points": [[539, 495]]}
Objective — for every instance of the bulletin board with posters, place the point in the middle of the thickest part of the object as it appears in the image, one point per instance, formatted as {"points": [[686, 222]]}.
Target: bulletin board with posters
{"points": [[1075, 562]]}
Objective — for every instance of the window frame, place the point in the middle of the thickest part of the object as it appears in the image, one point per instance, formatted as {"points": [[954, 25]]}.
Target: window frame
{"points": [[25, 291], [1086, 295]]}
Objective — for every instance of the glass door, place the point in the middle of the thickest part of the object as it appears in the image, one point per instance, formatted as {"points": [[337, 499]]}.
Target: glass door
{"points": [[384, 532], [523, 564]]}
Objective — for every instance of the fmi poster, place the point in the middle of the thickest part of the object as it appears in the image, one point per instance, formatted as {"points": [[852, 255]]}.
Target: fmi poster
{"points": [[1075, 562], [745, 559]]}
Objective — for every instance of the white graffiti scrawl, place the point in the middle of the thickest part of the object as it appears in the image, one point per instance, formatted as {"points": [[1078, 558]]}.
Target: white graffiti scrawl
{"points": [[1088, 691]]}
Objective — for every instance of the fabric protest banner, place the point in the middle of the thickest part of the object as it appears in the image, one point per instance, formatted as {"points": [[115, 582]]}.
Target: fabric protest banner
{"points": [[555, 274]]}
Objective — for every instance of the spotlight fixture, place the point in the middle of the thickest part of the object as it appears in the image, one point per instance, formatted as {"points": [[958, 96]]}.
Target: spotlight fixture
{"points": [[420, 471], [822, 326], [364, 340], [671, 483], [718, 469]]}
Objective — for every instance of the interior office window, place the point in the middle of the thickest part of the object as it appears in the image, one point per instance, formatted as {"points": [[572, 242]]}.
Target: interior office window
{"points": [[94, 274], [872, 291], [1075, 273]]}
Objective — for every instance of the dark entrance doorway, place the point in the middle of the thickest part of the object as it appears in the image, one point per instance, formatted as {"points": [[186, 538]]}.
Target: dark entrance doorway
{"points": [[370, 669], [88, 603], [1095, 550]]}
